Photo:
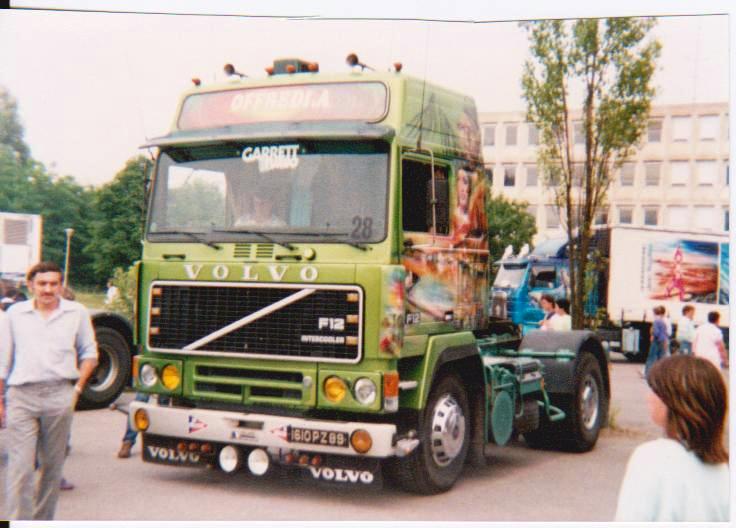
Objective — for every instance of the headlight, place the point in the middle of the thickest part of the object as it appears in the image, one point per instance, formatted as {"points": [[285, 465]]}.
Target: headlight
{"points": [[141, 420], [170, 377], [149, 377], [365, 391], [335, 389]]}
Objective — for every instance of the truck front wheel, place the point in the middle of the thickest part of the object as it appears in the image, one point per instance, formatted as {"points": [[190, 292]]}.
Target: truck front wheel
{"points": [[112, 372], [444, 435]]}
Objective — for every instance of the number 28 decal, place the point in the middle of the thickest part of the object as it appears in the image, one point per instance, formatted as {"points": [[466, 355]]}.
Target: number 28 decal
{"points": [[362, 227]]}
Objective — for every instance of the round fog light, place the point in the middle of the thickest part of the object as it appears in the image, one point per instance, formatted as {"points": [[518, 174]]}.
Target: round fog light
{"points": [[148, 376], [365, 391], [230, 459], [335, 389], [141, 420], [258, 462], [170, 377], [361, 441]]}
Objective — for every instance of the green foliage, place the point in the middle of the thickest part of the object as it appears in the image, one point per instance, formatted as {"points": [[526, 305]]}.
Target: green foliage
{"points": [[604, 67], [117, 222], [508, 223], [127, 285], [11, 129], [195, 204]]}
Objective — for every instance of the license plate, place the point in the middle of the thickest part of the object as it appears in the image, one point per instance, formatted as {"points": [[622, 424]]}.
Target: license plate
{"points": [[318, 437]]}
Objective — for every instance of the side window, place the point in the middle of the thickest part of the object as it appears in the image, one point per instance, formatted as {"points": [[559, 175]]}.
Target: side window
{"points": [[416, 199], [542, 277]]}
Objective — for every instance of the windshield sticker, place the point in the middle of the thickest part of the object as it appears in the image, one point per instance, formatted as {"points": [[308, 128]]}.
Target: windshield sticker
{"points": [[273, 157]]}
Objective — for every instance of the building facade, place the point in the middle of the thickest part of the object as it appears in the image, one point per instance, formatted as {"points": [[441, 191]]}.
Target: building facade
{"points": [[677, 179]]}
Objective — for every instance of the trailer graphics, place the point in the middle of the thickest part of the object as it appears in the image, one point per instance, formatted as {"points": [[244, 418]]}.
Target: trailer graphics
{"points": [[314, 288], [685, 270]]}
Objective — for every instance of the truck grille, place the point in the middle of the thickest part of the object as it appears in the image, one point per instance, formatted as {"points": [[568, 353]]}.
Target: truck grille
{"points": [[303, 322]]}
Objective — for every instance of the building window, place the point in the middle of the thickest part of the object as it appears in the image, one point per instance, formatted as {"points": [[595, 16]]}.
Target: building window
{"points": [[489, 135], [727, 175], [681, 126], [601, 218], [725, 220], [653, 170], [708, 125], [488, 171], [512, 130], [627, 174], [707, 172], [533, 134], [509, 176], [577, 175], [578, 132], [654, 131], [552, 216], [678, 217], [625, 215], [679, 173], [532, 211], [531, 176], [651, 216], [705, 217]]}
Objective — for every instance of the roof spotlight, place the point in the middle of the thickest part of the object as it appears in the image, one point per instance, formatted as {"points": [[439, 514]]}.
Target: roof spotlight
{"points": [[353, 61], [230, 71]]}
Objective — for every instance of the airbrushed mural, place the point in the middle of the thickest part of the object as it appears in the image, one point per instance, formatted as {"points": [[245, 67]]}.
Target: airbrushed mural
{"points": [[447, 273], [687, 271]]}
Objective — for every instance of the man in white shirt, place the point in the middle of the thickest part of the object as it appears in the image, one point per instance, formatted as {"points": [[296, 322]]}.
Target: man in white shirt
{"points": [[53, 354], [708, 342]]}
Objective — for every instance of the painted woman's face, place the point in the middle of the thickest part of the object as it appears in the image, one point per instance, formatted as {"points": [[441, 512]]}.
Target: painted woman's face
{"points": [[463, 189]]}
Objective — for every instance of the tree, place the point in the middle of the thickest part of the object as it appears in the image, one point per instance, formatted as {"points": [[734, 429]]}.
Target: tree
{"points": [[509, 223], [610, 64], [11, 130], [119, 214]]}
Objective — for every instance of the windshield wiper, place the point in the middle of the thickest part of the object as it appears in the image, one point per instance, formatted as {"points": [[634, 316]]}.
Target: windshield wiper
{"points": [[349, 242], [253, 232], [195, 235]]}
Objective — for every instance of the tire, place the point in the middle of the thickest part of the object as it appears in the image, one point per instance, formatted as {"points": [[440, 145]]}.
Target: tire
{"points": [[584, 409], [444, 439], [112, 373]]}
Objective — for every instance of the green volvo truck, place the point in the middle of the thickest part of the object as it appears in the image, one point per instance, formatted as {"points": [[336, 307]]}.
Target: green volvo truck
{"points": [[313, 290]]}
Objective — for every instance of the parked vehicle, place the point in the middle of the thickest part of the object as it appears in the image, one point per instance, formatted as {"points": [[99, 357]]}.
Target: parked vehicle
{"points": [[636, 270], [343, 329]]}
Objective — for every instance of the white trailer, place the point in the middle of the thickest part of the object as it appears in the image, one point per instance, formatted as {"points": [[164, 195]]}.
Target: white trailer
{"points": [[20, 244], [650, 267]]}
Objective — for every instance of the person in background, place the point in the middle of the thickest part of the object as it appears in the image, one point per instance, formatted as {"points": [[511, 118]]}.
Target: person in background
{"points": [[12, 296], [683, 476], [52, 356], [686, 330], [547, 302], [562, 320], [708, 342], [112, 293], [658, 338]]}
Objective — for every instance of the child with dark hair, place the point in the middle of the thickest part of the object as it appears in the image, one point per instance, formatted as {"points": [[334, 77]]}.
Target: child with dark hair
{"points": [[683, 476]]}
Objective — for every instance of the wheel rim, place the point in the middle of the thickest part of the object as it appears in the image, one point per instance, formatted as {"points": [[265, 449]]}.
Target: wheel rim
{"points": [[448, 430], [589, 402], [104, 375]]}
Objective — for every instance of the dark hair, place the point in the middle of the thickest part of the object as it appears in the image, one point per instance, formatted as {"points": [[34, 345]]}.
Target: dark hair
{"points": [[548, 297], [658, 310], [688, 308], [42, 267], [697, 400], [714, 317], [564, 304]]}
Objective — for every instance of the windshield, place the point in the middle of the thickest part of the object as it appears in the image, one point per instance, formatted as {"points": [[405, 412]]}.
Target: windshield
{"points": [[510, 276], [302, 190]]}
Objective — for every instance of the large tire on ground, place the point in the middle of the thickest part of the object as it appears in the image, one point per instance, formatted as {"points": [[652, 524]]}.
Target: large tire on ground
{"points": [[444, 438], [112, 373], [584, 409]]}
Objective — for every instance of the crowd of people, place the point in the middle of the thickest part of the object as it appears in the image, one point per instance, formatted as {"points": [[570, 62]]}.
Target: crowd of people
{"points": [[48, 353]]}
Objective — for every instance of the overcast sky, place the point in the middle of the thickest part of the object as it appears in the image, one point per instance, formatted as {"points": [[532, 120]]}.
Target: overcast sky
{"points": [[92, 87]]}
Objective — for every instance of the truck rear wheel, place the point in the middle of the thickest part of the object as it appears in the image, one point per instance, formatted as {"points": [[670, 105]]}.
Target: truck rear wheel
{"points": [[112, 372], [444, 438], [584, 411]]}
